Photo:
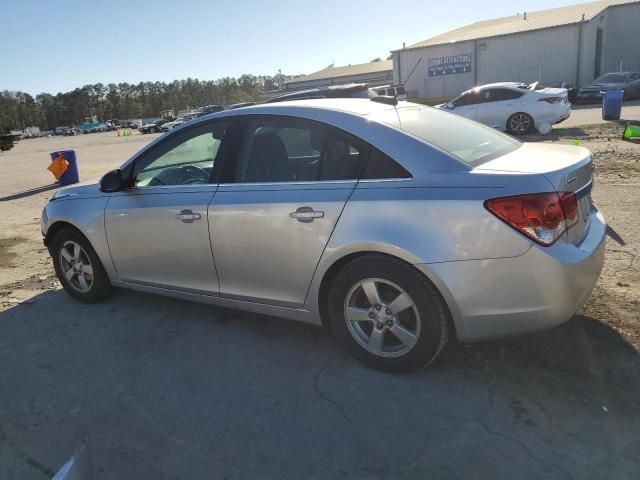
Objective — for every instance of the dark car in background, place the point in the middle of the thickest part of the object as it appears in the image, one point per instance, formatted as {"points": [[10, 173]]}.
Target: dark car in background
{"points": [[206, 110], [153, 127], [627, 81]]}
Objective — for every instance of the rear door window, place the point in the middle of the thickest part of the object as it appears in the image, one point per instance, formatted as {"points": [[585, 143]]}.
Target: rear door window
{"points": [[282, 149]]}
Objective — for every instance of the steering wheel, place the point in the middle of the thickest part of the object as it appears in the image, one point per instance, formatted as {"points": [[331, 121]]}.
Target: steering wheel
{"points": [[196, 175], [185, 175]]}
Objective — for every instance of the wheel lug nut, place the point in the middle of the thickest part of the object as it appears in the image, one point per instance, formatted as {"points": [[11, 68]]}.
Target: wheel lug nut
{"points": [[390, 323], [379, 326], [372, 315], [388, 311], [378, 307]]}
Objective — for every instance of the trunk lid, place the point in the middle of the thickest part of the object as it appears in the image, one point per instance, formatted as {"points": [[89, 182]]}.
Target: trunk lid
{"points": [[568, 168], [550, 93], [553, 91]]}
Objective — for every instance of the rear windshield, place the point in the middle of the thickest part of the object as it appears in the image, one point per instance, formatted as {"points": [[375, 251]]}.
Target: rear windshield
{"points": [[466, 140]]}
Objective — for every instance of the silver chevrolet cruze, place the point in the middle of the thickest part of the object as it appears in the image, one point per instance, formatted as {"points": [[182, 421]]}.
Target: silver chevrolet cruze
{"points": [[395, 226]]}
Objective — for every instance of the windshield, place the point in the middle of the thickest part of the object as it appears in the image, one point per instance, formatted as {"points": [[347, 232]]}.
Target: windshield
{"points": [[466, 140], [610, 78]]}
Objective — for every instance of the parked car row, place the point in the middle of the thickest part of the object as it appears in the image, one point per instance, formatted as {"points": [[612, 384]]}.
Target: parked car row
{"points": [[153, 127]]}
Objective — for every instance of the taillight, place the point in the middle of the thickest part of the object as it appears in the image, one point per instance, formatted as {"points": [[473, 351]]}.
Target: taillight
{"points": [[551, 99], [543, 217], [570, 208]]}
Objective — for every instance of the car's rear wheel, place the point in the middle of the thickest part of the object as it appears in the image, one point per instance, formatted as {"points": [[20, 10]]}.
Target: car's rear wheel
{"points": [[78, 267], [520, 123], [388, 314]]}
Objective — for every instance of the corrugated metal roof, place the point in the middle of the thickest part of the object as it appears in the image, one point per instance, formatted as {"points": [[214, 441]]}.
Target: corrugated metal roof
{"points": [[555, 17], [335, 72]]}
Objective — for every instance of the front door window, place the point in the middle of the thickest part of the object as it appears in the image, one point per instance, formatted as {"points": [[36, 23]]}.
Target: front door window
{"points": [[187, 160]]}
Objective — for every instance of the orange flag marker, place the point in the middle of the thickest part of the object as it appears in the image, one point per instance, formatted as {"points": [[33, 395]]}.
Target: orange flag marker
{"points": [[58, 166]]}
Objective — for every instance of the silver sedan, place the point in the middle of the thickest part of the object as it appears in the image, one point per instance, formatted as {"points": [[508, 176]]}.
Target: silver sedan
{"points": [[394, 225]]}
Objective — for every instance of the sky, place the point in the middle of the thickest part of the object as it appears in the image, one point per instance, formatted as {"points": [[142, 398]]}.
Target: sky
{"points": [[56, 46]]}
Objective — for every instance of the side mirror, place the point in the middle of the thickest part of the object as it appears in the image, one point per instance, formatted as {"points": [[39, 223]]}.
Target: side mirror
{"points": [[111, 181], [451, 105]]}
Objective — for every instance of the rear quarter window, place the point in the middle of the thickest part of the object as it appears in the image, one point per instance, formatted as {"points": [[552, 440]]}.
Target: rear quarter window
{"points": [[380, 166]]}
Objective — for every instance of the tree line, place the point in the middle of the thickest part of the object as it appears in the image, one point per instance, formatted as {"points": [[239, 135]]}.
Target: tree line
{"points": [[122, 101]]}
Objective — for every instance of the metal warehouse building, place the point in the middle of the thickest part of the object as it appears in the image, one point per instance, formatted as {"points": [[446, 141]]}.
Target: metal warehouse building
{"points": [[571, 44], [378, 72]]}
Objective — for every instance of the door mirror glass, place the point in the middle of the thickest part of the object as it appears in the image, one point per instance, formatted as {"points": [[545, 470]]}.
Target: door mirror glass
{"points": [[111, 181]]}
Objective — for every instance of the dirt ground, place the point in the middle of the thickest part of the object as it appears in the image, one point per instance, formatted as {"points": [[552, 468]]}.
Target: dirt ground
{"points": [[277, 399]]}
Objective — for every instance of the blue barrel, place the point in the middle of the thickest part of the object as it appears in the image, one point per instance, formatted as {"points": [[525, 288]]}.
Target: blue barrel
{"points": [[612, 104], [71, 175]]}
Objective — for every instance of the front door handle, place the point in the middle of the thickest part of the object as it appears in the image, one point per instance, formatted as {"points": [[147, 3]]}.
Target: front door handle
{"points": [[306, 214], [187, 216]]}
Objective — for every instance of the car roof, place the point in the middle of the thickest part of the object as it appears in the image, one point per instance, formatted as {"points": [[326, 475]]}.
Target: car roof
{"points": [[358, 116], [332, 91], [354, 106]]}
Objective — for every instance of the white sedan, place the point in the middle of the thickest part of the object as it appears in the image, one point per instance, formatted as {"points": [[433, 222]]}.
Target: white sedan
{"points": [[515, 107]]}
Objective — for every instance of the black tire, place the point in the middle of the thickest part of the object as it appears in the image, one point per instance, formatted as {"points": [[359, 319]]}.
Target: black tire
{"points": [[433, 312], [517, 119], [100, 287]]}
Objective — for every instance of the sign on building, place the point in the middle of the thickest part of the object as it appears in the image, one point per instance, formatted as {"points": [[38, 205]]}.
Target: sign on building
{"points": [[449, 65]]}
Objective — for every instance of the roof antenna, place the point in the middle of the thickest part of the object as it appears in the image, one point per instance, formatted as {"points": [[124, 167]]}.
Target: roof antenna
{"points": [[411, 72], [525, 15], [388, 99]]}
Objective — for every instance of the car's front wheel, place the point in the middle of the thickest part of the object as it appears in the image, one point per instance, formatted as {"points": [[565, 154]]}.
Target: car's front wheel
{"points": [[78, 267], [520, 123], [388, 314]]}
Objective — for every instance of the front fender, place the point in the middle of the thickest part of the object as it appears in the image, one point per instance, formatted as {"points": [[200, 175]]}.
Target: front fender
{"points": [[86, 215]]}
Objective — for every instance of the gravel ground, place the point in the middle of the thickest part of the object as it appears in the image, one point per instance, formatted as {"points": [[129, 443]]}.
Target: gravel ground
{"points": [[591, 114], [165, 389]]}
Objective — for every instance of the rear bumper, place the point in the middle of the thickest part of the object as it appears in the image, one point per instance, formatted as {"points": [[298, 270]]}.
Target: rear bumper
{"points": [[554, 114], [563, 117], [540, 289]]}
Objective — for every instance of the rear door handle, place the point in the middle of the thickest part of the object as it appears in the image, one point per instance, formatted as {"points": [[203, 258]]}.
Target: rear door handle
{"points": [[187, 216], [306, 214]]}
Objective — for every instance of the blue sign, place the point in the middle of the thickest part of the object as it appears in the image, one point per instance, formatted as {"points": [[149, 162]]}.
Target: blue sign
{"points": [[449, 65]]}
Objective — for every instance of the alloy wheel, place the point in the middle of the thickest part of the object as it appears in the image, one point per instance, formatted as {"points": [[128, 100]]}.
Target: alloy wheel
{"points": [[382, 317], [520, 123], [76, 266]]}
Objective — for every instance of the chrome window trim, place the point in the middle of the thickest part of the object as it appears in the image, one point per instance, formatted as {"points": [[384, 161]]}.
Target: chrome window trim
{"points": [[385, 180], [274, 184]]}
